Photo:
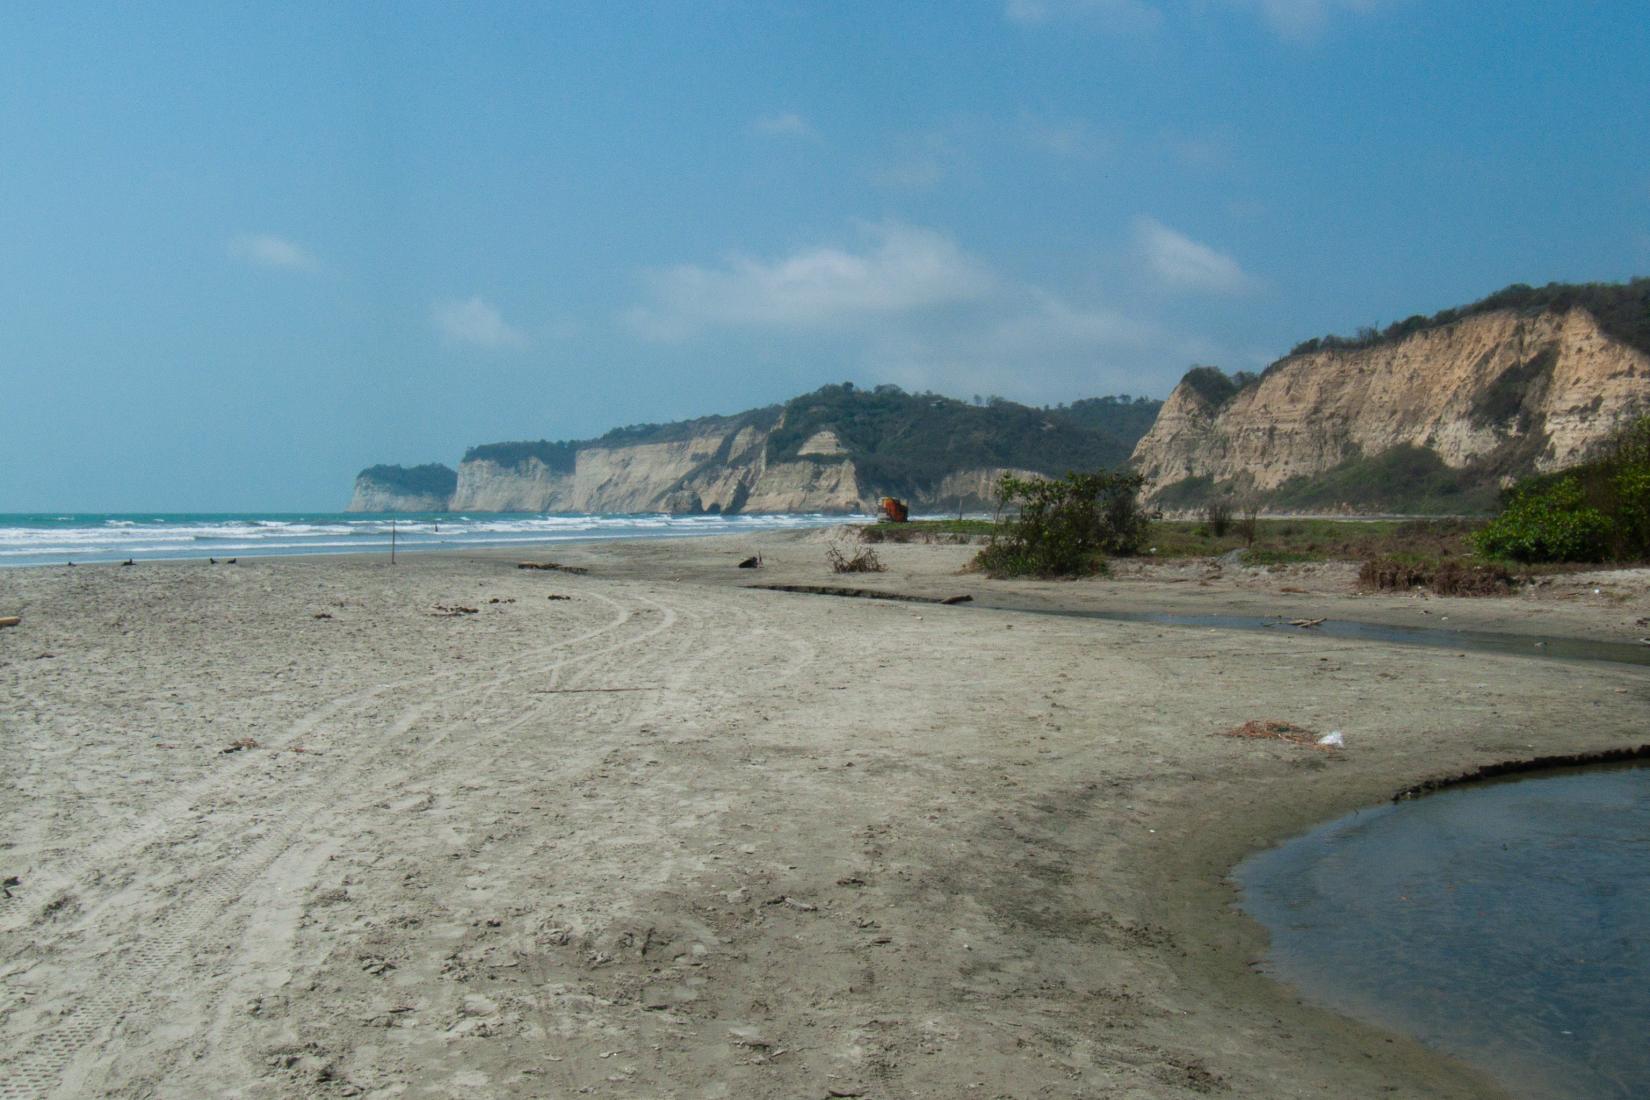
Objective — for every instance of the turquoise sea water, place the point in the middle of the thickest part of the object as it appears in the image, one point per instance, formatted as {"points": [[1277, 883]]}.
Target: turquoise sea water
{"points": [[1507, 923], [55, 538]]}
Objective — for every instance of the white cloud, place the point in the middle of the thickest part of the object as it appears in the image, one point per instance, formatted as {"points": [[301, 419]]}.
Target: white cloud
{"points": [[1303, 20], [910, 305], [1128, 16], [785, 124], [268, 250], [1177, 262], [901, 270], [475, 322]]}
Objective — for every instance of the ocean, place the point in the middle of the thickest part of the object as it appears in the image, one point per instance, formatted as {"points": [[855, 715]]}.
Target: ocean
{"points": [[56, 538]]}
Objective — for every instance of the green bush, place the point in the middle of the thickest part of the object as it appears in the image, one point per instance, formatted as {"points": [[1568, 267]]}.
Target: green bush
{"points": [[1547, 523], [1066, 526], [1598, 511]]}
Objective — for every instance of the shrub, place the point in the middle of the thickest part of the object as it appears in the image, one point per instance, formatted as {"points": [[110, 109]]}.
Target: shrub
{"points": [[1547, 523], [1067, 526], [1218, 515]]}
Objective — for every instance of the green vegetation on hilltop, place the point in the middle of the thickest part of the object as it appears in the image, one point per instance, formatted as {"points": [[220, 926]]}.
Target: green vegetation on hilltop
{"points": [[907, 443], [1216, 386], [431, 479], [561, 456], [1125, 418], [1621, 309], [558, 456]]}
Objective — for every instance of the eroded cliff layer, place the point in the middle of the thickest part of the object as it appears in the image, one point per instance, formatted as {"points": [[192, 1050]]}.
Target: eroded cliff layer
{"points": [[403, 489], [836, 450], [1498, 394]]}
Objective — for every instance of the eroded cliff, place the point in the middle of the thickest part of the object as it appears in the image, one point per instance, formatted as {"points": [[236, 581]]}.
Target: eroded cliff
{"points": [[1495, 395], [836, 450]]}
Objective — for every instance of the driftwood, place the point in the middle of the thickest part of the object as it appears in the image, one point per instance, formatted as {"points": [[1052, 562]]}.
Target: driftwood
{"points": [[859, 593], [10, 620], [1306, 624], [551, 565]]}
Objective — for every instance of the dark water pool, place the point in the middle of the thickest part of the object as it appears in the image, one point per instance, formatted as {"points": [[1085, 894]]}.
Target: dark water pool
{"points": [[1507, 923], [1465, 641]]}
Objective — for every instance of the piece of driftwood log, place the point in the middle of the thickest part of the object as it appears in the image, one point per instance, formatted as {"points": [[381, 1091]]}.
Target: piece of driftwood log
{"points": [[10, 620], [551, 565], [1306, 624]]}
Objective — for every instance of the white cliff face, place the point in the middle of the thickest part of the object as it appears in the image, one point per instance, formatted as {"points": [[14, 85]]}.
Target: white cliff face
{"points": [[717, 471], [1464, 391], [370, 496]]}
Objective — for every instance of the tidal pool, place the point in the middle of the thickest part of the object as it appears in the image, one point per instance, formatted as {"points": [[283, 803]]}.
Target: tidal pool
{"points": [[1506, 922]]}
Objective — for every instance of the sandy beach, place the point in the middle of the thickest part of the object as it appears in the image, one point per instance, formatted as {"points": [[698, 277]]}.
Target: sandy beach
{"points": [[328, 827]]}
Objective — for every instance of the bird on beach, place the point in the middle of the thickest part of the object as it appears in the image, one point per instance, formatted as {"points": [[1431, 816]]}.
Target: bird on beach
{"points": [[213, 561], [128, 561]]}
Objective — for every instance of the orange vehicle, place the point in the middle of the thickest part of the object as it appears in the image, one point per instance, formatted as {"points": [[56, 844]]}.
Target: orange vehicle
{"points": [[895, 510]]}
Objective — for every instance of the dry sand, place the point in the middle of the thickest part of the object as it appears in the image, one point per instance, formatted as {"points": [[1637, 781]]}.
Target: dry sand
{"points": [[674, 838]]}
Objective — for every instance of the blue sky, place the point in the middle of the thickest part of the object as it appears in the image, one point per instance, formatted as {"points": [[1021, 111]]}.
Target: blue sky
{"points": [[246, 250]]}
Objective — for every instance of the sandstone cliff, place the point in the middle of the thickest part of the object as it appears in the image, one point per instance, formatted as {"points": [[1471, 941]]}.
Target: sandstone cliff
{"points": [[403, 489], [837, 450], [1495, 395], [724, 467]]}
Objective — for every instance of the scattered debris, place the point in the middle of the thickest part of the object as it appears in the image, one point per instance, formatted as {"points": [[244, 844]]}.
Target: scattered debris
{"points": [[243, 743], [553, 566], [863, 560], [321, 615], [495, 599], [790, 902], [1271, 729], [448, 612], [953, 600], [850, 880], [1332, 739], [752, 562], [10, 620], [11, 880]]}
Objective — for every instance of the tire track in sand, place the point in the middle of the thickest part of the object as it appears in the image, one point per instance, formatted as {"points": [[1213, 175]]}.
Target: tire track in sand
{"points": [[49, 1061], [47, 884]]}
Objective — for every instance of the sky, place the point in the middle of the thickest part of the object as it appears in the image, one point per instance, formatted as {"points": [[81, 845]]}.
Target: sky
{"points": [[249, 249]]}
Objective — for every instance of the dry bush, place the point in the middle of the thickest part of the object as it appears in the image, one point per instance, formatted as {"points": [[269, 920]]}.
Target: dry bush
{"points": [[1270, 729], [1446, 578], [863, 560]]}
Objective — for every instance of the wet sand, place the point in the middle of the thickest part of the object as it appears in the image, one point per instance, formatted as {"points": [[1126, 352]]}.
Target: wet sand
{"points": [[674, 837]]}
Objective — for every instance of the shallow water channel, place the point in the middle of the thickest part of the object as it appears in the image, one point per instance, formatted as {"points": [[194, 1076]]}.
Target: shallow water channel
{"points": [[1506, 922], [1465, 641]]}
